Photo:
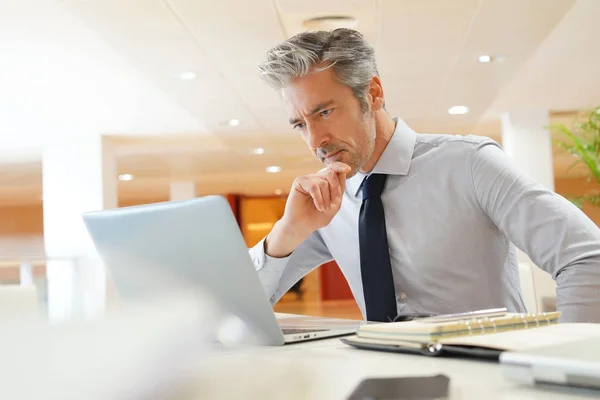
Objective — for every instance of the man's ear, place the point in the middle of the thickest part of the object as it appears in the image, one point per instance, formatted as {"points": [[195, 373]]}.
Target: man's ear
{"points": [[376, 94]]}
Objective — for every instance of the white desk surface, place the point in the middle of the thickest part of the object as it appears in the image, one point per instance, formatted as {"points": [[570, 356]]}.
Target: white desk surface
{"points": [[329, 369], [346, 366]]}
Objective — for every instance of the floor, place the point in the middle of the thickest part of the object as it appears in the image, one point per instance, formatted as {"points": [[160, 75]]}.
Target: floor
{"points": [[331, 308]]}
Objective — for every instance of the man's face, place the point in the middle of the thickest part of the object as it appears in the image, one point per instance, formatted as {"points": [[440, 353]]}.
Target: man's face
{"points": [[330, 119]]}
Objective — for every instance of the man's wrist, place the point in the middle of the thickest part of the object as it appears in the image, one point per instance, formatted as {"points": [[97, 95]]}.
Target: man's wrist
{"points": [[283, 239]]}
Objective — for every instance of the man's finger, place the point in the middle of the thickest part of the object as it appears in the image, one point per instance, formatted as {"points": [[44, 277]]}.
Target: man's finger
{"points": [[325, 193], [341, 170], [315, 193], [311, 186], [334, 186], [342, 180], [339, 167]]}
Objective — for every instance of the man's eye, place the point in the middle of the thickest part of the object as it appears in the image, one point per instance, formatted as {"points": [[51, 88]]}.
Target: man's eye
{"points": [[298, 126], [325, 113]]}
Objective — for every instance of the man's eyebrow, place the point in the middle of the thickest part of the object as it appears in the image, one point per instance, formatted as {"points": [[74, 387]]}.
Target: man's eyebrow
{"points": [[316, 109]]}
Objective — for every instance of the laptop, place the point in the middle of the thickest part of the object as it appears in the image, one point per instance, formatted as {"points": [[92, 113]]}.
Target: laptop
{"points": [[575, 364], [197, 242]]}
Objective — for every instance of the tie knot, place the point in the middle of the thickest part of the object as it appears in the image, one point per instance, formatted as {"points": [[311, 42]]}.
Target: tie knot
{"points": [[373, 186]]}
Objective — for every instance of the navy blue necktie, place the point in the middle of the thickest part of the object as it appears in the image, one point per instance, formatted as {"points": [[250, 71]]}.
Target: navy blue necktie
{"points": [[375, 266]]}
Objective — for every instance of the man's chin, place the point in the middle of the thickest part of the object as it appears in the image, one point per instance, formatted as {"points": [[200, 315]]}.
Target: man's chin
{"points": [[351, 173]]}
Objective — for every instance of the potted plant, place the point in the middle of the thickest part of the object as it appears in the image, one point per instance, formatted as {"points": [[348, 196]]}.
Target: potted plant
{"points": [[583, 142]]}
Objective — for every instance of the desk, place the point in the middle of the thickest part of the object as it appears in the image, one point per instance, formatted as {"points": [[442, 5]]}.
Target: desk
{"points": [[329, 369]]}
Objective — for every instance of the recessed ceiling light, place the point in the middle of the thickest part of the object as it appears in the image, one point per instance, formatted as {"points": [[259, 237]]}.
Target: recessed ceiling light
{"points": [[273, 169], [234, 122], [278, 192], [328, 22], [458, 110], [126, 177], [485, 58], [258, 150], [187, 76]]}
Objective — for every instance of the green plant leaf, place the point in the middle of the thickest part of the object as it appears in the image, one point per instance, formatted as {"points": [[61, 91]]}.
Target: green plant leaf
{"points": [[583, 142], [573, 165], [593, 200], [578, 201], [579, 148]]}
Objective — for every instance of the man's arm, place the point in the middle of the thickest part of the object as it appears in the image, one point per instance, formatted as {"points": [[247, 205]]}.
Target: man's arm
{"points": [[556, 235], [278, 275], [294, 247]]}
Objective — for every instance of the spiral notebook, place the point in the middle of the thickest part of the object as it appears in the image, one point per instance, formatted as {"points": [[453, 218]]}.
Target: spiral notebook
{"points": [[484, 337]]}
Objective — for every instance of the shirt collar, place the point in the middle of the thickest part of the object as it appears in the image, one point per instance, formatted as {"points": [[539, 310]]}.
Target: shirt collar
{"points": [[395, 159]]}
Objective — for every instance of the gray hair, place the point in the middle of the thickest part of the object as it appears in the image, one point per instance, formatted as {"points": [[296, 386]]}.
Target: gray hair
{"points": [[344, 50]]}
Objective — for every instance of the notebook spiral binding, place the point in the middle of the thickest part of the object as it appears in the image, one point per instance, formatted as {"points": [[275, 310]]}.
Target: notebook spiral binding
{"points": [[481, 326]]}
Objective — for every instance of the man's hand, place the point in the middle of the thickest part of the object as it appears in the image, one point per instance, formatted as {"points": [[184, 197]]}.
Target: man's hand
{"points": [[312, 203]]}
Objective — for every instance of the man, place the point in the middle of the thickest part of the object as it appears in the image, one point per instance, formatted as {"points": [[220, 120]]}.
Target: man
{"points": [[417, 223]]}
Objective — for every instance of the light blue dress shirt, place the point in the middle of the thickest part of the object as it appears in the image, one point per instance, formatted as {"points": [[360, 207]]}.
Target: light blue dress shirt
{"points": [[455, 208]]}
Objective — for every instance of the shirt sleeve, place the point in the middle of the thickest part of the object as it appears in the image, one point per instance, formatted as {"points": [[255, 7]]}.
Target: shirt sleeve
{"points": [[557, 236], [278, 275]]}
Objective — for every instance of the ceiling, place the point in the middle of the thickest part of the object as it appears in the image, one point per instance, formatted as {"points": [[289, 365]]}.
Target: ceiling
{"points": [[112, 67]]}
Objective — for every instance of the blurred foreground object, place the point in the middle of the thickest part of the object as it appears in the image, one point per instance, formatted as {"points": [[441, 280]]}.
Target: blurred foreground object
{"points": [[17, 300], [144, 350]]}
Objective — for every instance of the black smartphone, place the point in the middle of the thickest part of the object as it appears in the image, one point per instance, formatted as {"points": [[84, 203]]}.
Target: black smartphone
{"points": [[417, 387]]}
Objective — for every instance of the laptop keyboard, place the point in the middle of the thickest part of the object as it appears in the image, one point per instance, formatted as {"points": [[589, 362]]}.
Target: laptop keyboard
{"points": [[291, 331]]}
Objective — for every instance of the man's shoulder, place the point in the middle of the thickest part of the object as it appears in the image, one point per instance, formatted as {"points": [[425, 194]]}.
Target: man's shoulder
{"points": [[431, 144], [465, 141], [452, 149]]}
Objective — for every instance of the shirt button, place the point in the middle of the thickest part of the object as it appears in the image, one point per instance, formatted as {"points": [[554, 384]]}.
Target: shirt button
{"points": [[403, 296]]}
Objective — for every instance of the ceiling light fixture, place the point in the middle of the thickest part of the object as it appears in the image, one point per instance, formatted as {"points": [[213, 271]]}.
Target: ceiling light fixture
{"points": [[273, 169], [458, 110], [485, 58], [258, 150], [126, 177], [329, 22], [234, 122], [187, 76]]}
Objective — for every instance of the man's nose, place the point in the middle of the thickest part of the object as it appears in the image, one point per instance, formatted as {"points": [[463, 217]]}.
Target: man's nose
{"points": [[317, 136]]}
